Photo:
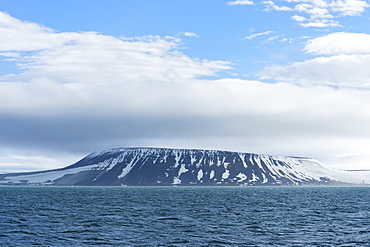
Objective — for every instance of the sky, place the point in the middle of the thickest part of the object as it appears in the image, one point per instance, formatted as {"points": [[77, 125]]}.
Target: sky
{"points": [[288, 77]]}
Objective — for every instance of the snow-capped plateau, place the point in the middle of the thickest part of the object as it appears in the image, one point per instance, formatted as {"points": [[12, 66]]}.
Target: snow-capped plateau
{"points": [[187, 167]]}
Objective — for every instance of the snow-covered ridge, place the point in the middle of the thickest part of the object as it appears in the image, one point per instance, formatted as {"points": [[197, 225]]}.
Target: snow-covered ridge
{"points": [[164, 166]]}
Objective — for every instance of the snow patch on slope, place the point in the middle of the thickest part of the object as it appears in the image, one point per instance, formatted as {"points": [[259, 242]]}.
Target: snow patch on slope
{"points": [[182, 170], [200, 174]]}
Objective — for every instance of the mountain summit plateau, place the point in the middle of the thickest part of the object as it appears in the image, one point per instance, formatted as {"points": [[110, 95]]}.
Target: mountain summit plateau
{"points": [[187, 167]]}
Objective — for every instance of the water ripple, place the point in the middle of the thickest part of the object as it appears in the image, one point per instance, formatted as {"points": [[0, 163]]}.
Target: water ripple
{"points": [[184, 216]]}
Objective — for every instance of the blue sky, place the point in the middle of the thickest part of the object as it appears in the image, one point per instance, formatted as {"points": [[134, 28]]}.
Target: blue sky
{"points": [[274, 77]]}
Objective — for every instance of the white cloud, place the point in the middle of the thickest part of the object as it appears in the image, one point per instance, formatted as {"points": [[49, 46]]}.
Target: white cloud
{"points": [[299, 18], [339, 43], [189, 34], [321, 23], [73, 56], [314, 12], [319, 13], [270, 5], [10, 54], [253, 36], [241, 2], [349, 7], [315, 22], [344, 62], [273, 38], [17, 35]]}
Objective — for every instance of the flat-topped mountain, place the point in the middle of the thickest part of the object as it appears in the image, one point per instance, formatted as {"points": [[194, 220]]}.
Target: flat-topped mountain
{"points": [[187, 167]]}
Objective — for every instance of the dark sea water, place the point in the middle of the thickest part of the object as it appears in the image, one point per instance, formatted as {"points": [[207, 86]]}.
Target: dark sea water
{"points": [[185, 216]]}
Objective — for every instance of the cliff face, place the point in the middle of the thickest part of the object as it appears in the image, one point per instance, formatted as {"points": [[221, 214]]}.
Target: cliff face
{"points": [[167, 167]]}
